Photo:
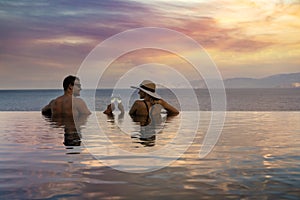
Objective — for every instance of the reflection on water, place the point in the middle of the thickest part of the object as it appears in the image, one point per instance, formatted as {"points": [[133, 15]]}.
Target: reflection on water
{"points": [[130, 134], [150, 126], [72, 128], [256, 157]]}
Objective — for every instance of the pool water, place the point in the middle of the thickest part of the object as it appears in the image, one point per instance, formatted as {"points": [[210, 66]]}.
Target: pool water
{"points": [[256, 157]]}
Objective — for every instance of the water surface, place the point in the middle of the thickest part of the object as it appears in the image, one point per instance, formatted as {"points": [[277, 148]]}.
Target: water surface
{"points": [[256, 157]]}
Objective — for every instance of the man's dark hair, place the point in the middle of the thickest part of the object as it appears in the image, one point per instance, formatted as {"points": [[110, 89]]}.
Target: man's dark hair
{"points": [[69, 80]]}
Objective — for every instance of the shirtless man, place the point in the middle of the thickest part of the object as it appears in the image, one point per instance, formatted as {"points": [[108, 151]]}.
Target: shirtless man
{"points": [[147, 93], [67, 105]]}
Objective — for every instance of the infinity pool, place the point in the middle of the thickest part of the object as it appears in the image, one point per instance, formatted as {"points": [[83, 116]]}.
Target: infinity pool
{"points": [[256, 157]]}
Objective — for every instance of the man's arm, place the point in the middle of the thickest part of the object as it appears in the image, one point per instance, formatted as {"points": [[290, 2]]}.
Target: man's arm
{"points": [[82, 107], [47, 109], [109, 109]]}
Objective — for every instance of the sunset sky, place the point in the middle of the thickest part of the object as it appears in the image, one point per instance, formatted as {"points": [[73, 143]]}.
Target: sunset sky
{"points": [[43, 41]]}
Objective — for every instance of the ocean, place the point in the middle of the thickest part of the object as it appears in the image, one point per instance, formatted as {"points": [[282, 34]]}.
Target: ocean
{"points": [[256, 156], [275, 99]]}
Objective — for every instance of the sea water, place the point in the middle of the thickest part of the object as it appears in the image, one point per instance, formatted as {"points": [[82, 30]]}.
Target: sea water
{"points": [[275, 99]]}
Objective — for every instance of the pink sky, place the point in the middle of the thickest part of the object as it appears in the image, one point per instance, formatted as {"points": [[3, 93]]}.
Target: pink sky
{"points": [[42, 42]]}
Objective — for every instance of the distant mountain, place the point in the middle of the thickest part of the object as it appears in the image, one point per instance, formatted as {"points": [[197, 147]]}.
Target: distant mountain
{"points": [[275, 81]]}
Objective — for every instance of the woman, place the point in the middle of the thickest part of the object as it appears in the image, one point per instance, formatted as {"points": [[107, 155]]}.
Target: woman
{"points": [[147, 93]]}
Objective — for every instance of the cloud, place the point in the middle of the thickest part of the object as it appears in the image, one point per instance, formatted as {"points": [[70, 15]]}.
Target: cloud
{"points": [[50, 36], [40, 39]]}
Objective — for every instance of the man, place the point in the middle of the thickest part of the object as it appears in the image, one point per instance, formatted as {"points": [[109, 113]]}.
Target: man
{"points": [[147, 93], [68, 105]]}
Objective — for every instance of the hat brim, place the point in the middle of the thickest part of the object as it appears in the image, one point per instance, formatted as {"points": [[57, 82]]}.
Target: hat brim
{"points": [[152, 94]]}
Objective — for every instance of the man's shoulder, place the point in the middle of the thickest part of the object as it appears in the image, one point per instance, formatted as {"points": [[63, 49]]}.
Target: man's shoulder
{"points": [[81, 106], [77, 99], [58, 98]]}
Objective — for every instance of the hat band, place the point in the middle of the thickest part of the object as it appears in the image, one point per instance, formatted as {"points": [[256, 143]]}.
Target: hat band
{"points": [[146, 88]]}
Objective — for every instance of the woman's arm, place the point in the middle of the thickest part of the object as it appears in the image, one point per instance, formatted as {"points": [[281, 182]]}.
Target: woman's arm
{"points": [[171, 110]]}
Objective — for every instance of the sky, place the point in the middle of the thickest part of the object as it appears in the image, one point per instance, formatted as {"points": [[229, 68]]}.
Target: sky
{"points": [[41, 42]]}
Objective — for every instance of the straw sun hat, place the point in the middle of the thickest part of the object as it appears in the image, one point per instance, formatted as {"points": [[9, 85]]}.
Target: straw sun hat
{"points": [[148, 87]]}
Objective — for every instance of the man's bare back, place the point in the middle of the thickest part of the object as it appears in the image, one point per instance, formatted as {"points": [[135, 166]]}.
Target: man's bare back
{"points": [[68, 105], [62, 106]]}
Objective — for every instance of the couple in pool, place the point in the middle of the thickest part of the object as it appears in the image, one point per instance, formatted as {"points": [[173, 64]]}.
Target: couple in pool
{"points": [[69, 105], [71, 108]]}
